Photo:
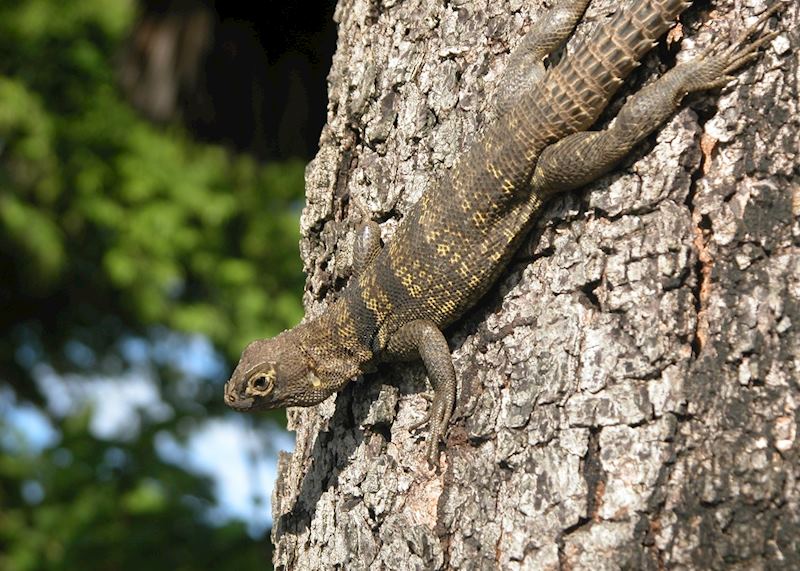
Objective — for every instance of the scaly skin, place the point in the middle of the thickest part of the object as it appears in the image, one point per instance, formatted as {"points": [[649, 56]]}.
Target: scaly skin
{"points": [[456, 240]]}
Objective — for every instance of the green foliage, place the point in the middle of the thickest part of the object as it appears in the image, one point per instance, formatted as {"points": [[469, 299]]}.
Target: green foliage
{"points": [[81, 505], [103, 213], [112, 228]]}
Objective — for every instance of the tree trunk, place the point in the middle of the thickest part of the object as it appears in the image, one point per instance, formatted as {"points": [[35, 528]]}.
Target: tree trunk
{"points": [[628, 390]]}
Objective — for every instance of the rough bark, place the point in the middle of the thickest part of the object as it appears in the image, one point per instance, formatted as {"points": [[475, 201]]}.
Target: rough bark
{"points": [[629, 390]]}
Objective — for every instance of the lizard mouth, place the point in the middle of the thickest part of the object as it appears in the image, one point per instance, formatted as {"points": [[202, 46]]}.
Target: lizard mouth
{"points": [[235, 401]]}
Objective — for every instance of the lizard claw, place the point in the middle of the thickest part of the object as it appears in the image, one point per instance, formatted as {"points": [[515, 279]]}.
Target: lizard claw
{"points": [[438, 416], [439, 419], [427, 418], [420, 423], [713, 69]]}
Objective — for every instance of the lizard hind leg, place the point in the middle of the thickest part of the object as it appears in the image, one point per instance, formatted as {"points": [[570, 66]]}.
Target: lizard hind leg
{"points": [[584, 156], [525, 66]]}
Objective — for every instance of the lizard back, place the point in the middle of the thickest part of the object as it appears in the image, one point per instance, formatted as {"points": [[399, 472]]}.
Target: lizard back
{"points": [[454, 242]]}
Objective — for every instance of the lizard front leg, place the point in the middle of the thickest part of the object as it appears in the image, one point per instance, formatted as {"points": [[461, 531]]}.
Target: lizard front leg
{"points": [[367, 245], [582, 157], [421, 339]]}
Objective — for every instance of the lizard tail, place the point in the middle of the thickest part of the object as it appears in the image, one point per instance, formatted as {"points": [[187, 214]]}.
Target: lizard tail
{"points": [[580, 86]]}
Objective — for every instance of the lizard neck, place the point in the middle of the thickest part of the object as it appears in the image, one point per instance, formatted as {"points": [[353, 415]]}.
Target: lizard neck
{"points": [[337, 342]]}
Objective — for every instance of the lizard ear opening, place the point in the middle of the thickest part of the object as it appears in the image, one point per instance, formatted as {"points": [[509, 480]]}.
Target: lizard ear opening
{"points": [[315, 381]]}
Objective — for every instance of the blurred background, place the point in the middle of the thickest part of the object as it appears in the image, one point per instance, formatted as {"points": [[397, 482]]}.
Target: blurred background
{"points": [[151, 181]]}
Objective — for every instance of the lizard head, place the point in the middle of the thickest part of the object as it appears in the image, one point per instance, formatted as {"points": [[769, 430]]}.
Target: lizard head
{"points": [[274, 373]]}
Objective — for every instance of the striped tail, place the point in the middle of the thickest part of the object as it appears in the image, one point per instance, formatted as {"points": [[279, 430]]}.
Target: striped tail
{"points": [[577, 90]]}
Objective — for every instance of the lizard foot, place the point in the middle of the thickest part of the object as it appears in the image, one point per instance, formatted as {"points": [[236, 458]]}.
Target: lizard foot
{"points": [[438, 417], [714, 68]]}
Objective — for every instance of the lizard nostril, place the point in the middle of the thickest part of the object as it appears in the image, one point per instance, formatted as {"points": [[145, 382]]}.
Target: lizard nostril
{"points": [[229, 396]]}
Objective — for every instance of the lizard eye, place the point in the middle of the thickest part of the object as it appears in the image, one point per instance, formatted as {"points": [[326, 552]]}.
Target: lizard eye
{"points": [[261, 383]]}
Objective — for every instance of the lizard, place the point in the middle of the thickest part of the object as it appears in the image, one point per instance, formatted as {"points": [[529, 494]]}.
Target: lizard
{"points": [[453, 244]]}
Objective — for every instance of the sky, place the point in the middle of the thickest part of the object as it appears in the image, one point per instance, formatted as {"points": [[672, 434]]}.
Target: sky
{"points": [[241, 461]]}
